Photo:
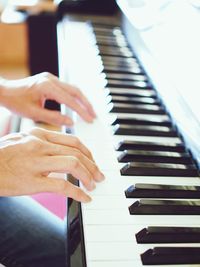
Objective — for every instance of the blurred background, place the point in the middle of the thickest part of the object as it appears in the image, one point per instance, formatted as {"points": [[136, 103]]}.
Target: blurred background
{"points": [[14, 54]]}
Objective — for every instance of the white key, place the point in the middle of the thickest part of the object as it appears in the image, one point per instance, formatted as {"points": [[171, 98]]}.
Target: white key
{"points": [[129, 264], [109, 229]]}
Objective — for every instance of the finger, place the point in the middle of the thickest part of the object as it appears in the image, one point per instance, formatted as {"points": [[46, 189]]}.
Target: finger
{"points": [[62, 139], [80, 109], [61, 89], [57, 93], [77, 93], [84, 160], [66, 188], [68, 164], [54, 117]]}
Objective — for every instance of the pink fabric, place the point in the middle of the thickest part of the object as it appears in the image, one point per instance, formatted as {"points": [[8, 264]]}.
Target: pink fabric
{"points": [[53, 202]]}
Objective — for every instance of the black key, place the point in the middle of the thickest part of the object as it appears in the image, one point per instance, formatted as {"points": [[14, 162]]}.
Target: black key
{"points": [[110, 37], [155, 234], [159, 169], [135, 108], [114, 61], [114, 48], [165, 207], [107, 42], [154, 156], [128, 84], [104, 31], [99, 25], [132, 100], [117, 64], [114, 51], [104, 34], [141, 190], [110, 41], [171, 255], [139, 145], [144, 130], [125, 77], [131, 70], [133, 92], [138, 121], [101, 37]]}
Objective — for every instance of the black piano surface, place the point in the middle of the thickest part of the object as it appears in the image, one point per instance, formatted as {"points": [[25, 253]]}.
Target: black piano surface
{"points": [[163, 38]]}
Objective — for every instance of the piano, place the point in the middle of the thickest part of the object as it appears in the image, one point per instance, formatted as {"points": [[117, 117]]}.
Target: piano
{"points": [[140, 69]]}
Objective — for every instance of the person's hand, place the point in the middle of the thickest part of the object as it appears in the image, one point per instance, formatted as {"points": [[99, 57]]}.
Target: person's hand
{"points": [[27, 97], [27, 160]]}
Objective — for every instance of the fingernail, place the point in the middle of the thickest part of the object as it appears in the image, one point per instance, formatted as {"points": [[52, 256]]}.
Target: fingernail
{"points": [[87, 199], [92, 112], [94, 115], [102, 178], [90, 119], [92, 185]]}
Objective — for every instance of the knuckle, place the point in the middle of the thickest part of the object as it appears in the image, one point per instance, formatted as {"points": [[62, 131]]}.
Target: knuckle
{"points": [[77, 142], [62, 186], [75, 193], [77, 154], [55, 149], [74, 162], [35, 144], [33, 116], [77, 90], [90, 154], [46, 74], [35, 130]]}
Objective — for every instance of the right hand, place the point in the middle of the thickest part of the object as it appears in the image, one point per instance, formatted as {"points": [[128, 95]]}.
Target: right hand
{"points": [[27, 159], [33, 92]]}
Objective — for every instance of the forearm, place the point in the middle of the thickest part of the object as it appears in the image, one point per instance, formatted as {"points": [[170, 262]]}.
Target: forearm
{"points": [[9, 92]]}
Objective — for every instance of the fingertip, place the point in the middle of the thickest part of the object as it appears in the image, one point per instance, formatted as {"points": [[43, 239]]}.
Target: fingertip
{"points": [[68, 122], [101, 177], [91, 120], [92, 185], [87, 199], [88, 118], [92, 112]]}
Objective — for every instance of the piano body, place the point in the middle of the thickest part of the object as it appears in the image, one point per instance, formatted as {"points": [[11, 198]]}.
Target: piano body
{"points": [[140, 69]]}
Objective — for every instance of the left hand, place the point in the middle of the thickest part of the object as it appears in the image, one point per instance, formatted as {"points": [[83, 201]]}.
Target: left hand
{"points": [[28, 159], [27, 97]]}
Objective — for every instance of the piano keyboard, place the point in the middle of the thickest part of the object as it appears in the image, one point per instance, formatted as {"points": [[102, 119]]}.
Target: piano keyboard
{"points": [[147, 211]]}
